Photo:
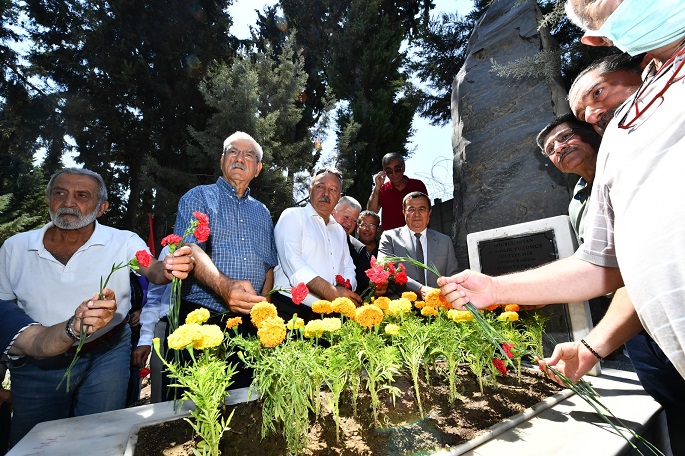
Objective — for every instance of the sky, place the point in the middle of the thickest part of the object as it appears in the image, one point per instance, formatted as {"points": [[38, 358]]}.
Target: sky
{"points": [[432, 146]]}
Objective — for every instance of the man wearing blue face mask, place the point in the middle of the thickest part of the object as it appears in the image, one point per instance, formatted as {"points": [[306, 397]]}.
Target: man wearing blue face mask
{"points": [[632, 223]]}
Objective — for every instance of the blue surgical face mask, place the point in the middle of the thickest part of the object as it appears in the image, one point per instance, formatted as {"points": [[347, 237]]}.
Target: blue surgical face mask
{"points": [[638, 26]]}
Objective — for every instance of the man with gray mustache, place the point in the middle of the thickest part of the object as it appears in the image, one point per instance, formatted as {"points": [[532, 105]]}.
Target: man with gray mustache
{"points": [[312, 249], [237, 271]]}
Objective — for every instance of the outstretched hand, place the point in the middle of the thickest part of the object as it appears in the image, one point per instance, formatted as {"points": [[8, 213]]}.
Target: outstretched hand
{"points": [[240, 296], [570, 359], [468, 286], [95, 312]]}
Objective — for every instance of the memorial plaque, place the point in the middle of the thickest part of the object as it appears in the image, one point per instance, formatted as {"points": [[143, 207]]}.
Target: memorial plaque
{"points": [[516, 253]]}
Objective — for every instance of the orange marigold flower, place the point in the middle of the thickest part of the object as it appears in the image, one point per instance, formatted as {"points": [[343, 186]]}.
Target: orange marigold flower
{"points": [[429, 311], [261, 311], [410, 295], [419, 304], [272, 331], [322, 307], [435, 299], [344, 306], [235, 321], [512, 308], [382, 302], [369, 316], [492, 308]]}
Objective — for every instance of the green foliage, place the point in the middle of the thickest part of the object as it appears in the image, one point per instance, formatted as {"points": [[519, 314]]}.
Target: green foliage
{"points": [[258, 94], [413, 344], [545, 64]]}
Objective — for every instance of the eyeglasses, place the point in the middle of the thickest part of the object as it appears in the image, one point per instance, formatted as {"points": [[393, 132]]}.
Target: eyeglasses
{"points": [[561, 138], [420, 210], [395, 170], [624, 123], [234, 152], [368, 225]]}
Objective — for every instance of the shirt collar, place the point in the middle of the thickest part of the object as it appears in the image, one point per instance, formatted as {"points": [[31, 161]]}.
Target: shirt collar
{"points": [[221, 182], [311, 212], [99, 237]]}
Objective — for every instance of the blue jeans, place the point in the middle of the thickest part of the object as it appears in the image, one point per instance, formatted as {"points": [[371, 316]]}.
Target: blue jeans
{"points": [[661, 381], [98, 384]]}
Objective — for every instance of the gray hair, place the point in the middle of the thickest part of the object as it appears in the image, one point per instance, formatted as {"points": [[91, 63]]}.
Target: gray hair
{"points": [[102, 188], [391, 157], [242, 135], [375, 216], [348, 201], [329, 170]]}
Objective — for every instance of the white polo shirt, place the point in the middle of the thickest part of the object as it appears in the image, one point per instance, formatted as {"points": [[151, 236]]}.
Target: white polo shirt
{"points": [[50, 291]]}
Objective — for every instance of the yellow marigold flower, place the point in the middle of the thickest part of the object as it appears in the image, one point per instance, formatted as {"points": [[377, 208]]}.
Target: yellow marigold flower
{"points": [[235, 321], [459, 315], [184, 335], [313, 329], [419, 304], [261, 311], [369, 316], [198, 316], [508, 316], [399, 307], [344, 306], [410, 295], [512, 308], [272, 331], [322, 307], [297, 324], [382, 302], [392, 329], [212, 336], [429, 311], [331, 324]]}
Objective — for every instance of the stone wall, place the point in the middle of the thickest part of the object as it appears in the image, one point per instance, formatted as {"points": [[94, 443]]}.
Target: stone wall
{"points": [[500, 176]]}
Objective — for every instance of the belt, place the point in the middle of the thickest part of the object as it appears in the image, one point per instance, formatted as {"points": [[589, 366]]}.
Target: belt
{"points": [[103, 338]]}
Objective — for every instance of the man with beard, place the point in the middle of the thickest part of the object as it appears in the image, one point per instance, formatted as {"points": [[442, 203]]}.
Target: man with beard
{"points": [[601, 88], [312, 249], [46, 271]]}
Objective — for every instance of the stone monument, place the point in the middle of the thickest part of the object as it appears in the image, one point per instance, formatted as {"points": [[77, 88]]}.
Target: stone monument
{"points": [[500, 177]]}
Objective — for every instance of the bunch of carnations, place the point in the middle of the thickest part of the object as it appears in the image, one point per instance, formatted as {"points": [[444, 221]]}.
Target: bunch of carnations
{"points": [[199, 228], [142, 258], [382, 272]]}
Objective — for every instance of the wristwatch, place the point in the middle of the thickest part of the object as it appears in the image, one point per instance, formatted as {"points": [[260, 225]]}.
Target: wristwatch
{"points": [[70, 330]]}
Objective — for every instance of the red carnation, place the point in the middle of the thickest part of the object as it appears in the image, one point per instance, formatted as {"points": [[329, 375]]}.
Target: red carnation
{"points": [[391, 267], [172, 239], [143, 258], [201, 233], [507, 350], [144, 372], [343, 282], [299, 292], [499, 364], [401, 278]]}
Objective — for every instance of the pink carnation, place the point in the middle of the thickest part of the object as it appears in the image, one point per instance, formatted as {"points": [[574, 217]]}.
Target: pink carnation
{"points": [[172, 239], [299, 292]]}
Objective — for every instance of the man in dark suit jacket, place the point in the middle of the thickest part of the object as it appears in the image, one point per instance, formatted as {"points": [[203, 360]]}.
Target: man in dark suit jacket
{"points": [[435, 248]]}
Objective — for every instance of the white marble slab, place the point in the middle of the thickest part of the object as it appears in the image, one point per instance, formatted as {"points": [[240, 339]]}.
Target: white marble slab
{"points": [[106, 434]]}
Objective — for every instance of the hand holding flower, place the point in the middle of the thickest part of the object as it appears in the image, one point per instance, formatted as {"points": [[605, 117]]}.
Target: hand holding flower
{"points": [[95, 313], [179, 263]]}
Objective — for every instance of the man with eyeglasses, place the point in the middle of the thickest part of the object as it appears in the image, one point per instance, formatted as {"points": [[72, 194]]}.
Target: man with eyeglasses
{"points": [[386, 197], [632, 222], [572, 147], [312, 249], [415, 240], [238, 270]]}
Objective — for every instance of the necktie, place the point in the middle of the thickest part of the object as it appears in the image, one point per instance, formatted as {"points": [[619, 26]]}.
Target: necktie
{"points": [[419, 257]]}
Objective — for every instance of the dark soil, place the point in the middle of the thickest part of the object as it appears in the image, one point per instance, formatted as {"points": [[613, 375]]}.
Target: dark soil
{"points": [[402, 430]]}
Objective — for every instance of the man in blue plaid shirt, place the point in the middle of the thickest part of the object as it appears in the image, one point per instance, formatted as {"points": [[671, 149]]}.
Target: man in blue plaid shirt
{"points": [[241, 241]]}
